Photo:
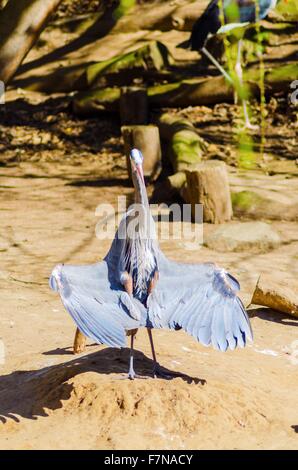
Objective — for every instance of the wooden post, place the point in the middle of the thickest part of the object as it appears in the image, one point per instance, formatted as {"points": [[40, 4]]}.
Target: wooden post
{"points": [[79, 344], [133, 105], [208, 184], [146, 139]]}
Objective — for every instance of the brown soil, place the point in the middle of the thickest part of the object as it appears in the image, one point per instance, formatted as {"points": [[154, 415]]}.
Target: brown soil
{"points": [[54, 171], [49, 399]]}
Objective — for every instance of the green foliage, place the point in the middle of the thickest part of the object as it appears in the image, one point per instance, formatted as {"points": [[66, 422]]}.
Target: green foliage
{"points": [[289, 9], [245, 200], [98, 100], [287, 73], [232, 12], [247, 157], [123, 8], [186, 147], [152, 56]]}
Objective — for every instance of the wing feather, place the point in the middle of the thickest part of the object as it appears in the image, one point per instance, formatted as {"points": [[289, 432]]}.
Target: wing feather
{"points": [[204, 303], [96, 307]]}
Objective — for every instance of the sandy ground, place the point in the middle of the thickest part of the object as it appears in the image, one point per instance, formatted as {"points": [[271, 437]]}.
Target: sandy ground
{"points": [[54, 171], [52, 399]]}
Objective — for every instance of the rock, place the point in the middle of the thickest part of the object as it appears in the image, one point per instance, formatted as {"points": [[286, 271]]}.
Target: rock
{"points": [[254, 237], [278, 293], [255, 206]]}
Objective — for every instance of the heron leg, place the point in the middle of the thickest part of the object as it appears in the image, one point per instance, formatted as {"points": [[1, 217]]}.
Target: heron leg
{"points": [[157, 370], [79, 344], [131, 372], [239, 72]]}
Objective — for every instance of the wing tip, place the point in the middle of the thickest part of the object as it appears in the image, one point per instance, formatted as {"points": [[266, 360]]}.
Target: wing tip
{"points": [[54, 280]]}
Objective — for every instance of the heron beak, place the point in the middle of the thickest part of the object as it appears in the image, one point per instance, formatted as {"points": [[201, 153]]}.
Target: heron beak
{"points": [[139, 170]]}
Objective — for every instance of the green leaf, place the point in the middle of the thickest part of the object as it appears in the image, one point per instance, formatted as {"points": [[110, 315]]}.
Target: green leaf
{"points": [[123, 8]]}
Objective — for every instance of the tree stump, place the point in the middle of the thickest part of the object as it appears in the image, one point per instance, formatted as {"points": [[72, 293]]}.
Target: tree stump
{"points": [[279, 294], [133, 105], [208, 184], [146, 139]]}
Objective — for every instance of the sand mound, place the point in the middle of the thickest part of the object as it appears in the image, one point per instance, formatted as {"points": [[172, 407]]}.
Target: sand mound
{"points": [[112, 413], [173, 413]]}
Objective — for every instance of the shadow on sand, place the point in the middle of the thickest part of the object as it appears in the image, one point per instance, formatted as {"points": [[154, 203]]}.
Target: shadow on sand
{"points": [[29, 394], [269, 314]]}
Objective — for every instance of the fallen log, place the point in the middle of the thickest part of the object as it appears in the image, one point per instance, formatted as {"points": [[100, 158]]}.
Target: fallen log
{"points": [[279, 294], [207, 91], [184, 17], [184, 144], [184, 149], [148, 17], [149, 58], [179, 94], [148, 61], [208, 184], [104, 100]]}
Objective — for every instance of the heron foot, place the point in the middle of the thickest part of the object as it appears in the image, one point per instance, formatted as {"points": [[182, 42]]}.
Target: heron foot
{"points": [[136, 376], [133, 376]]}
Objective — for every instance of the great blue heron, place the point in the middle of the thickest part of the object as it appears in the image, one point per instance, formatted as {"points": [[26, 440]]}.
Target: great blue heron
{"points": [[235, 13], [137, 286]]}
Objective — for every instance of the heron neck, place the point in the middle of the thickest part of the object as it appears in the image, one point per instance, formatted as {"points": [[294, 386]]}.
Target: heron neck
{"points": [[140, 191], [141, 196]]}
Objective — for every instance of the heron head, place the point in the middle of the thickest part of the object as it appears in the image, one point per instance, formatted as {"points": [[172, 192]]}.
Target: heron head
{"points": [[136, 160]]}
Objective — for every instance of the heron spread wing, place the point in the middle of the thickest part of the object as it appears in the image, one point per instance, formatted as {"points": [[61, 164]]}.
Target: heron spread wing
{"points": [[100, 309], [202, 299]]}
